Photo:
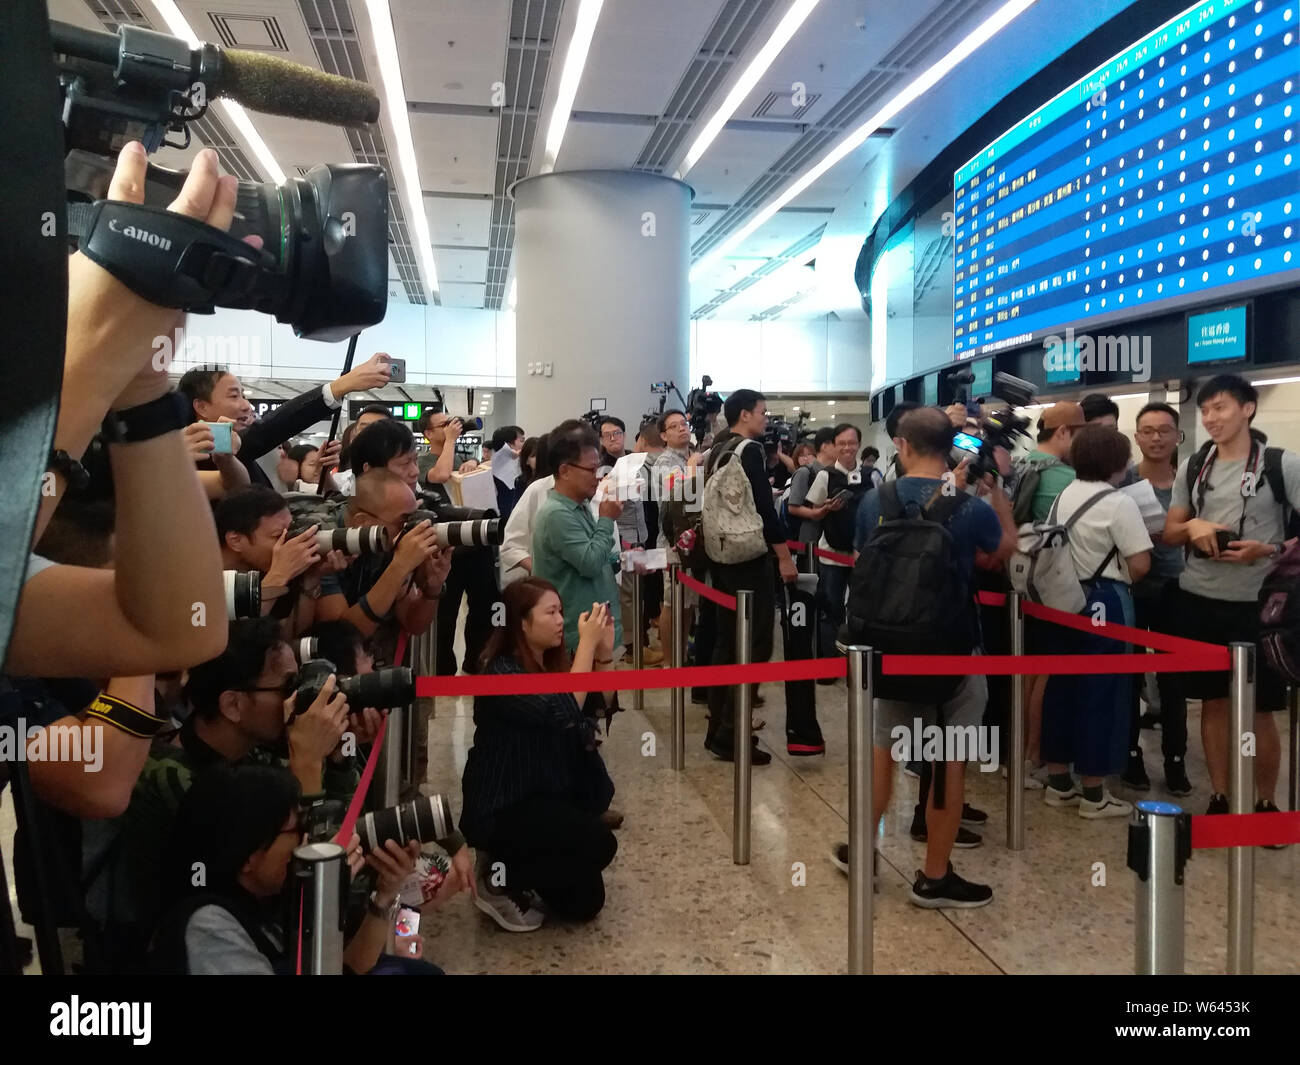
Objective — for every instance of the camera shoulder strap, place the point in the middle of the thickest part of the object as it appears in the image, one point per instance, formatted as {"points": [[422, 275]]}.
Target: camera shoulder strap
{"points": [[167, 258]]}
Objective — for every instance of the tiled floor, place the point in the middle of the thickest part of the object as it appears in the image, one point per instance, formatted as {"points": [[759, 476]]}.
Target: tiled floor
{"points": [[676, 903]]}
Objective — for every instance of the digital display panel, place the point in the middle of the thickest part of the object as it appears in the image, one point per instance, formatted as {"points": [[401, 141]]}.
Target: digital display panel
{"points": [[1217, 336], [930, 390], [1165, 177]]}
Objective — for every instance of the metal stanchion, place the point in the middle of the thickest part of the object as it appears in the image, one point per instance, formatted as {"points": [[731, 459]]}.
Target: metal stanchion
{"points": [[638, 637], [677, 600], [862, 823], [810, 566], [1016, 744], [1159, 844], [1241, 800], [742, 726], [1293, 781], [387, 787], [423, 657], [322, 873]]}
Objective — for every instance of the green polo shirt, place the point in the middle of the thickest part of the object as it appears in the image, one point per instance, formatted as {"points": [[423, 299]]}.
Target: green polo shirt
{"points": [[577, 553], [1051, 482]]}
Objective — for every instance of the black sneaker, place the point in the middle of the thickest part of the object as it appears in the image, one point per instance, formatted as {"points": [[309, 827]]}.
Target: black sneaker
{"points": [[966, 839], [973, 817], [1150, 719], [1176, 782], [840, 859], [725, 751], [1218, 804], [1135, 773], [804, 744], [949, 892], [826, 682], [1268, 806]]}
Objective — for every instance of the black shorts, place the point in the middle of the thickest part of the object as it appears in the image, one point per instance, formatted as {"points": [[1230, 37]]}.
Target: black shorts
{"points": [[1222, 622]]}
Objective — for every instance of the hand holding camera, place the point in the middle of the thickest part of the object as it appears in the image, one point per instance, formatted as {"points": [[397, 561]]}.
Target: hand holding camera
{"points": [[395, 864], [198, 441], [315, 732], [431, 574], [1208, 539], [592, 624], [321, 461], [291, 557], [371, 374], [416, 547]]}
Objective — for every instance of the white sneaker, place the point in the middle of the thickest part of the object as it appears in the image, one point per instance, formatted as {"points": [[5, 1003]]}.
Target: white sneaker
{"points": [[1035, 776], [1053, 797], [1109, 806]]}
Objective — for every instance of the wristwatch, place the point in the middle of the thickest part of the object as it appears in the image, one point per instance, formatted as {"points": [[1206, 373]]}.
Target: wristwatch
{"points": [[374, 908], [167, 414]]}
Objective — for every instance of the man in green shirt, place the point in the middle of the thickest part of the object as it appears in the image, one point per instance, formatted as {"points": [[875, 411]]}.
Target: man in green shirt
{"points": [[574, 551], [1056, 429]]}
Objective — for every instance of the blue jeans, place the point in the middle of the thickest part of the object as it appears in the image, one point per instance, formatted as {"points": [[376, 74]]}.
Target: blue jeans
{"points": [[1086, 716]]}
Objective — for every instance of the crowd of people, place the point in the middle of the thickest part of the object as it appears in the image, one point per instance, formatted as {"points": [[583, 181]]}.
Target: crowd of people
{"points": [[210, 753]]}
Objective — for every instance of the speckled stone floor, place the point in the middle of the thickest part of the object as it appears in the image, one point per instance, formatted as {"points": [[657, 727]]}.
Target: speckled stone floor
{"points": [[677, 904]]}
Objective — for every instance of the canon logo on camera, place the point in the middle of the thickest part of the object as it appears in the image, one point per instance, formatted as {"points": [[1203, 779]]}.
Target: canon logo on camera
{"points": [[142, 235]]}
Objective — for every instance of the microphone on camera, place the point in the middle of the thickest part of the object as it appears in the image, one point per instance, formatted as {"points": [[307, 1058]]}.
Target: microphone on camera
{"points": [[275, 86]]}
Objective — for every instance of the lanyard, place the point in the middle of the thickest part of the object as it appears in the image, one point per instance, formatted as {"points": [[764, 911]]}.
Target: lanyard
{"points": [[1250, 471]]}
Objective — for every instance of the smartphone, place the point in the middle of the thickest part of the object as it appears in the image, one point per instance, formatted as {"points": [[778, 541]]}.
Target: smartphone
{"points": [[398, 376], [220, 437], [967, 443]]}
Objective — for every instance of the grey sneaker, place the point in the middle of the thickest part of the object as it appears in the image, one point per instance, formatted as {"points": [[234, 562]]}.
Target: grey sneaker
{"points": [[512, 910], [1052, 797], [1108, 806]]}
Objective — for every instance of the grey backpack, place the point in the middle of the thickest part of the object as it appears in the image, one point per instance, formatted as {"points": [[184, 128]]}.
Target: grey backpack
{"points": [[733, 528]]}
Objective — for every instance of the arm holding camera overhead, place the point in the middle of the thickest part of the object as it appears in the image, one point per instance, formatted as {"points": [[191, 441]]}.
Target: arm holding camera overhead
{"points": [[116, 620]]}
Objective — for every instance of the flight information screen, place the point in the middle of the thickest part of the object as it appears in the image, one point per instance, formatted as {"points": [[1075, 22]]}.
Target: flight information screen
{"points": [[1166, 176]]}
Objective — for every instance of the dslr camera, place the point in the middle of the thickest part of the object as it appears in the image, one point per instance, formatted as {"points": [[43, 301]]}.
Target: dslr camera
{"points": [[323, 264], [383, 689], [1001, 428]]}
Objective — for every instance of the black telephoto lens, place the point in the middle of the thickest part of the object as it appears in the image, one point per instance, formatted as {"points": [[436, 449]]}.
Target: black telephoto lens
{"points": [[383, 689], [426, 819]]}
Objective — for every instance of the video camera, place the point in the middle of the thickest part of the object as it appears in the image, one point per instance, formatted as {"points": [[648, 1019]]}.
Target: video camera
{"points": [[701, 406], [998, 429], [323, 264]]}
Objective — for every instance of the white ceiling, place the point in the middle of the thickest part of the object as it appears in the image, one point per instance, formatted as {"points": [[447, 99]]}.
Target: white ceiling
{"points": [[455, 54]]}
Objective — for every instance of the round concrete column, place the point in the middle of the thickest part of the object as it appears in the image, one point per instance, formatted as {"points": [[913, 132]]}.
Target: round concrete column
{"points": [[601, 261]]}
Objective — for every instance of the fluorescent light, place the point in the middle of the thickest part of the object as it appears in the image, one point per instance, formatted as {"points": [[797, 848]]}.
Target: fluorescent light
{"points": [[574, 62], [408, 172], [785, 29], [176, 23], [982, 33], [1132, 395], [1277, 381], [513, 294]]}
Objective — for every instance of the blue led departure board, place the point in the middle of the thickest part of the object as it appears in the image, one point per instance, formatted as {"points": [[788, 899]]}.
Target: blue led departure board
{"points": [[1166, 177]]}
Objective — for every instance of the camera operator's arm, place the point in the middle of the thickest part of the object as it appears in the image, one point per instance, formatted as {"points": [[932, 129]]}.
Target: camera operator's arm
{"points": [[440, 472], [417, 608], [1001, 504], [320, 464], [412, 550], [99, 782], [314, 734], [393, 863], [786, 460], [159, 609]]}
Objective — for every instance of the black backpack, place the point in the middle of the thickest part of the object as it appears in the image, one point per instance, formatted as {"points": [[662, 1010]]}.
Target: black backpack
{"points": [[907, 594], [839, 525], [1279, 616]]}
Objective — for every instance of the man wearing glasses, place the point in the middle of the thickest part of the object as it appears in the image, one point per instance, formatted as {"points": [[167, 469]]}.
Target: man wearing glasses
{"points": [[241, 712], [632, 530], [1158, 436], [574, 551]]}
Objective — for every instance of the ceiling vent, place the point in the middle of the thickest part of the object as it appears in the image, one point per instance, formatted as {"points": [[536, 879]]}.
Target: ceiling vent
{"points": [[258, 33]]}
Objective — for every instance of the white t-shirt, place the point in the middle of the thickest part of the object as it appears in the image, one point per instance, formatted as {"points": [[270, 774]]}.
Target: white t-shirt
{"points": [[817, 494], [1111, 522]]}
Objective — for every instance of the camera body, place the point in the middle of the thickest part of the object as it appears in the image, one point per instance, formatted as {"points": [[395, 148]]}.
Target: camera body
{"points": [[701, 407], [1001, 428]]}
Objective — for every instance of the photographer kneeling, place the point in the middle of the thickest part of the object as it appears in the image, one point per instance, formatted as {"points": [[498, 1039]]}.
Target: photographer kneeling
{"points": [[241, 825], [535, 785]]}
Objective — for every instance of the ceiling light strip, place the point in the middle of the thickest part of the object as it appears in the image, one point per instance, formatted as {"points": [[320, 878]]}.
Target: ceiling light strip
{"points": [[785, 29], [570, 76], [179, 27], [408, 171], [919, 85]]}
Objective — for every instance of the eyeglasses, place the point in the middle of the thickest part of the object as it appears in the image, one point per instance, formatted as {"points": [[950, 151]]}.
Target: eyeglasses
{"points": [[286, 689], [1163, 431], [579, 466], [611, 434]]}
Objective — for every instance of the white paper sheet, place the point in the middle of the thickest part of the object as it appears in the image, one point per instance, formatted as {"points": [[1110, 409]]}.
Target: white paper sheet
{"points": [[1153, 514]]}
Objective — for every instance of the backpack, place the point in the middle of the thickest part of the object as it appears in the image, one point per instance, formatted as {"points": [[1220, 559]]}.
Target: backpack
{"points": [[1272, 477], [733, 529], [1279, 616], [839, 525], [680, 517], [1022, 499], [1041, 567], [908, 595]]}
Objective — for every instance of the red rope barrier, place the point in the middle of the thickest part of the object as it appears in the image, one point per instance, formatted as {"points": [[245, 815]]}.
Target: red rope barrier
{"points": [[832, 556], [721, 598], [1244, 830], [1155, 640]]}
